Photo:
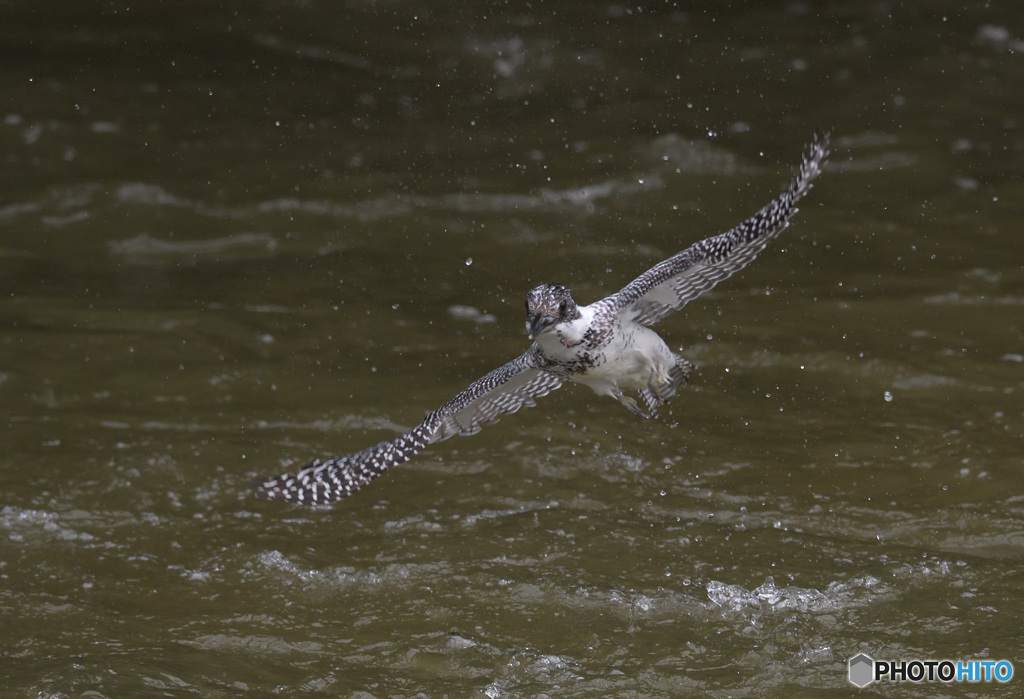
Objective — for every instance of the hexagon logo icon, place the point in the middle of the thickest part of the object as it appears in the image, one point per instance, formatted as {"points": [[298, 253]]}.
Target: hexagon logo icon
{"points": [[861, 670]]}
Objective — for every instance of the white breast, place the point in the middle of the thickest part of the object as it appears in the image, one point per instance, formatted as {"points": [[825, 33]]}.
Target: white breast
{"points": [[564, 342], [631, 360], [573, 332]]}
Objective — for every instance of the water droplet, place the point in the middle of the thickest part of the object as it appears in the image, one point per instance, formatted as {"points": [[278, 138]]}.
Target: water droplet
{"points": [[888, 397], [469, 261]]}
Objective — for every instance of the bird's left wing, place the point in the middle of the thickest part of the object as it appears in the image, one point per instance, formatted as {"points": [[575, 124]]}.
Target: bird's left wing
{"points": [[671, 284], [505, 390]]}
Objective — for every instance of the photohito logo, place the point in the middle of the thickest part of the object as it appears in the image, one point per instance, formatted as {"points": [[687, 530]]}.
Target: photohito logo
{"points": [[864, 670]]}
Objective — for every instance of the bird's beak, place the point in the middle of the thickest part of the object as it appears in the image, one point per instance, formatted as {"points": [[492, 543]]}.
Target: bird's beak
{"points": [[535, 325]]}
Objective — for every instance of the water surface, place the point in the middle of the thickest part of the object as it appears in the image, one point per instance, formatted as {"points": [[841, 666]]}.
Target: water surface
{"points": [[235, 240]]}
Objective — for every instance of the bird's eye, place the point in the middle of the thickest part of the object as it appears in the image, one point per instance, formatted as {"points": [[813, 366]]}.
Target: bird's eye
{"points": [[561, 308]]}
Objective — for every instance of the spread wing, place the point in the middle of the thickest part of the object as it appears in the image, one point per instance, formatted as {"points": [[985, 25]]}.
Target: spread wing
{"points": [[504, 390], [671, 284]]}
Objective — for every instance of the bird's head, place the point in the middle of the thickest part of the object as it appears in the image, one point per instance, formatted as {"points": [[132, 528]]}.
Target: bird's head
{"points": [[547, 306]]}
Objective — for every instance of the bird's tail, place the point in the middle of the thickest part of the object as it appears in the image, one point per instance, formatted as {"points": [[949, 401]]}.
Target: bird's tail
{"points": [[324, 482]]}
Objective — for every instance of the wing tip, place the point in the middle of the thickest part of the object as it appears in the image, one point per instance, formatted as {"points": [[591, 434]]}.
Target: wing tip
{"points": [[814, 158], [326, 481]]}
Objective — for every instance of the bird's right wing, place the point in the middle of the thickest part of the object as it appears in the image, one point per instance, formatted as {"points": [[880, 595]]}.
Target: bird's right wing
{"points": [[505, 390]]}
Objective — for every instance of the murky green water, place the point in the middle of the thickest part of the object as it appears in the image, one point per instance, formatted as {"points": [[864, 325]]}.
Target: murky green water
{"points": [[233, 239]]}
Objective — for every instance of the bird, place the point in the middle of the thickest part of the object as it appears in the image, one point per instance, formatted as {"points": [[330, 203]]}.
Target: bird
{"points": [[608, 345]]}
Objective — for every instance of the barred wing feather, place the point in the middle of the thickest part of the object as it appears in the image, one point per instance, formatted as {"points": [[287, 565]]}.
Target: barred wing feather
{"points": [[671, 284], [505, 390]]}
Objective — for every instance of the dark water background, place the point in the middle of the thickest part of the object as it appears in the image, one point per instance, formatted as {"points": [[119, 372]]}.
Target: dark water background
{"points": [[237, 236]]}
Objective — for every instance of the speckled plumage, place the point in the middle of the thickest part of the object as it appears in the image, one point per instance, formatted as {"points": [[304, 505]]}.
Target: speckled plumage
{"points": [[607, 345], [505, 390]]}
